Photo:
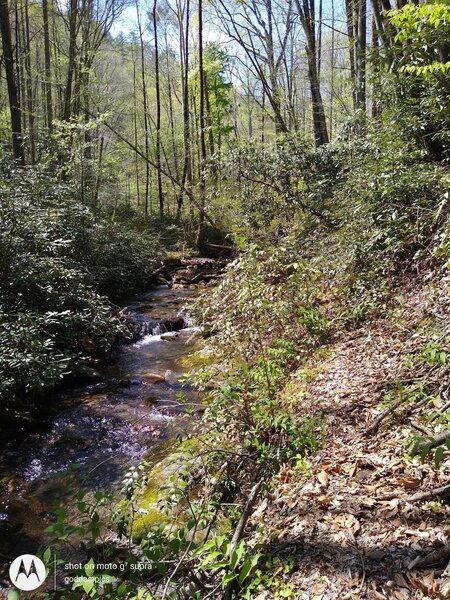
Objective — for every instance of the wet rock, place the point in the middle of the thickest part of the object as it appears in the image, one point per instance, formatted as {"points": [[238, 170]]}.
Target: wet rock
{"points": [[170, 377], [89, 373], [150, 378], [170, 336], [183, 275], [81, 437]]}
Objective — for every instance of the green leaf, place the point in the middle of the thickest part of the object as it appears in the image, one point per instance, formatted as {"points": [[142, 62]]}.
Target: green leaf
{"points": [[46, 556], [248, 566], [424, 452], [89, 568], [438, 456], [13, 595], [229, 577], [88, 585], [237, 554], [210, 557]]}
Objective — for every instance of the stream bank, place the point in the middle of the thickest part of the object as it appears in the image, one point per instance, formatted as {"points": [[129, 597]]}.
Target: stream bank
{"points": [[104, 427]]}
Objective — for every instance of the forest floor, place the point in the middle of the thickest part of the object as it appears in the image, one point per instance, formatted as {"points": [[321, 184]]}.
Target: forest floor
{"points": [[355, 521]]}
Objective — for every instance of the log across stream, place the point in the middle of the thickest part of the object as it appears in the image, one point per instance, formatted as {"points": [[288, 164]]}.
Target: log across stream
{"points": [[103, 428]]}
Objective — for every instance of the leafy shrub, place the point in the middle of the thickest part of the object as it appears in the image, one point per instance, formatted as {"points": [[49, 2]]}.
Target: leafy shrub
{"points": [[275, 183], [416, 85], [56, 256]]}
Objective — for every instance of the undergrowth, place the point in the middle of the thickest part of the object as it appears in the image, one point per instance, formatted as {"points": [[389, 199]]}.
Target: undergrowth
{"points": [[380, 217]]}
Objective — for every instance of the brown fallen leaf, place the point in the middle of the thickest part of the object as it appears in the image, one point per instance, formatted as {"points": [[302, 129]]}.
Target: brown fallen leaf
{"points": [[390, 508], [426, 585], [409, 482], [323, 478]]}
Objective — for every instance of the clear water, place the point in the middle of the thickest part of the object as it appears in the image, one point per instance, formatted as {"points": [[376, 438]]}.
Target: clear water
{"points": [[101, 432]]}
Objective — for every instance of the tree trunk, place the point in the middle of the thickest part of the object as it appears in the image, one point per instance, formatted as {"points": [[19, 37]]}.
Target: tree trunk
{"points": [[144, 101], [361, 56], [349, 9], [14, 104], [201, 223], [47, 63], [29, 85], [73, 17], [184, 54], [307, 18], [158, 114]]}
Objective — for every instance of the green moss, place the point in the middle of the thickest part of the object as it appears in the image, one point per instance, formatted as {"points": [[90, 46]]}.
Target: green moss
{"points": [[149, 513], [170, 457], [173, 259], [198, 359]]}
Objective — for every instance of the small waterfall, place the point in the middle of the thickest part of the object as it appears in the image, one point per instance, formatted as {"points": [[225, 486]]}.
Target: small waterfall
{"points": [[159, 329]]}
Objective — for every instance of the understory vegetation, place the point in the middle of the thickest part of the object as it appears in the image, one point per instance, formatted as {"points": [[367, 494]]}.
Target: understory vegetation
{"points": [[60, 261], [356, 222], [331, 228], [380, 223]]}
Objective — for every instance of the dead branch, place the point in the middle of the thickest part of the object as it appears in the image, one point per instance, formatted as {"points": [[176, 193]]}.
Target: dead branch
{"points": [[432, 442], [437, 556], [376, 422], [419, 497], [239, 531], [201, 579]]}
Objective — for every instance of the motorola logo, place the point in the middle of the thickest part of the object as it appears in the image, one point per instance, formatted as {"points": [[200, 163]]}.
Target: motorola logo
{"points": [[27, 572]]}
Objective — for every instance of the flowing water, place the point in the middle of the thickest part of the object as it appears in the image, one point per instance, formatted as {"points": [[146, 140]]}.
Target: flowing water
{"points": [[103, 427]]}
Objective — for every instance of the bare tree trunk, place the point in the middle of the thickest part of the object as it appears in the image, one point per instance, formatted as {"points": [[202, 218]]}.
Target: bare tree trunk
{"points": [[14, 103], [158, 114], [184, 54], [361, 56], [319, 40], [349, 9], [47, 62], [306, 12], [201, 223], [136, 158], [146, 128], [332, 69], [29, 85], [171, 118], [73, 18]]}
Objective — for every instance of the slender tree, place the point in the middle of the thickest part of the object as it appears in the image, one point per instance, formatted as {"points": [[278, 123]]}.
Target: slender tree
{"points": [[146, 120], [13, 96], [306, 11], [201, 224], [48, 69], [158, 111]]}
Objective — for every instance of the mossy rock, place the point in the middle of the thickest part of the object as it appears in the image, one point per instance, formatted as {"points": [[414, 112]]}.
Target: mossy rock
{"points": [[170, 458], [172, 260], [198, 359]]}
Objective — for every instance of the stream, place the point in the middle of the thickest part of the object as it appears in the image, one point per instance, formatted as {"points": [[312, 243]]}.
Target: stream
{"points": [[102, 428]]}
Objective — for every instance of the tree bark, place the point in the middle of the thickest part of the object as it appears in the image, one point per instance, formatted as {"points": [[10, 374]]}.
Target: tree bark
{"points": [[201, 222], [146, 127], [361, 56], [158, 113], [307, 17], [47, 66], [14, 104], [184, 55], [73, 18]]}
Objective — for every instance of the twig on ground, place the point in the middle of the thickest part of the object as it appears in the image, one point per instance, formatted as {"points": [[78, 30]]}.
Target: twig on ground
{"points": [[419, 497], [377, 421], [432, 558], [433, 441]]}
